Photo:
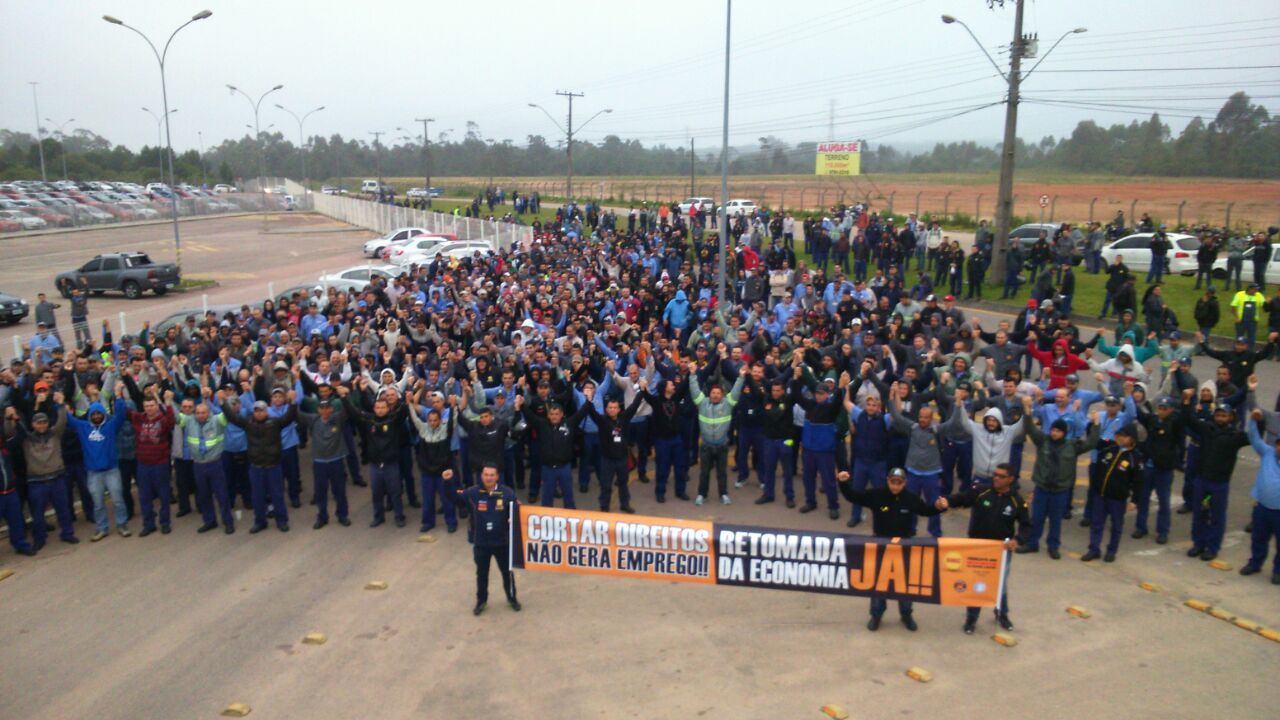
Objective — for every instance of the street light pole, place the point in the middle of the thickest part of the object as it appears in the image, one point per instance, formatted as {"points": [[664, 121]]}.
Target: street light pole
{"points": [[723, 236], [256, 105], [569, 133], [204, 181], [164, 93], [377, 157], [302, 141], [39, 131], [1014, 78], [160, 140], [426, 156], [63, 141]]}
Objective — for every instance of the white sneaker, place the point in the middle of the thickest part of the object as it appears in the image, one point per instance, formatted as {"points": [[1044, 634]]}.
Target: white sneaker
{"points": [[124, 531], [97, 536], [698, 500], [724, 500], [739, 483]]}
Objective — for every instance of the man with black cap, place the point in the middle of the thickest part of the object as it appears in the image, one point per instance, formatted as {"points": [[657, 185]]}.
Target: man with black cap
{"points": [[1114, 487], [1240, 359], [1220, 442], [1247, 305], [1163, 448], [893, 515], [41, 444], [999, 513], [491, 507], [1054, 476], [265, 476], [387, 432]]}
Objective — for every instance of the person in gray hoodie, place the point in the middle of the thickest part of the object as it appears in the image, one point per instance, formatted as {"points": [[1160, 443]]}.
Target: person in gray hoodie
{"points": [[924, 458], [992, 443]]}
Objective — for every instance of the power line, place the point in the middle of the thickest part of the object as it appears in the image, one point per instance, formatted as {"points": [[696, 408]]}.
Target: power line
{"points": [[1167, 69]]}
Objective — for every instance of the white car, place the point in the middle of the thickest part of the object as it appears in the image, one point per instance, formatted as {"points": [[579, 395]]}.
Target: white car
{"points": [[1136, 250], [416, 245], [1246, 273], [28, 222], [460, 249], [140, 211], [702, 202], [356, 279], [374, 247], [224, 188], [733, 208]]}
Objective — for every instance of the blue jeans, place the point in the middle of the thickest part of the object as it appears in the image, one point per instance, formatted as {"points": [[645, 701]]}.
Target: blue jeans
{"points": [[879, 605], [1208, 513], [211, 486], [384, 481], [108, 481], [40, 495], [671, 456], [11, 513], [614, 472], [558, 477], [1266, 525], [153, 484], [1102, 510], [866, 473], [816, 462], [1156, 270], [269, 481], [929, 487], [1160, 481], [330, 475], [777, 451], [1051, 506]]}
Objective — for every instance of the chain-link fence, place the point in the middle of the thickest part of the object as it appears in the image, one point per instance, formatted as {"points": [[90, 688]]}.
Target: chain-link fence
{"points": [[384, 217]]}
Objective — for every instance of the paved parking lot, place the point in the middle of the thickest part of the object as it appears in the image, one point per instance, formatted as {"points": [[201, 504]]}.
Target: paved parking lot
{"points": [[183, 624]]}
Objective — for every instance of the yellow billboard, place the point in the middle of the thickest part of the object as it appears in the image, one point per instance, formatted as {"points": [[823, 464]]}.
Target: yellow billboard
{"points": [[839, 158]]}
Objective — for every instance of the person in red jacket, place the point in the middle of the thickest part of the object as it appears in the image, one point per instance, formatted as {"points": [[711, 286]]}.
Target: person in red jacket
{"points": [[154, 426], [1060, 361]]}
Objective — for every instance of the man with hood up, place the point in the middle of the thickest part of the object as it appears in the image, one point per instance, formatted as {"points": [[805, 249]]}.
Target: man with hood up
{"points": [[992, 442], [1060, 361], [1120, 369], [99, 436], [1054, 476], [675, 317]]}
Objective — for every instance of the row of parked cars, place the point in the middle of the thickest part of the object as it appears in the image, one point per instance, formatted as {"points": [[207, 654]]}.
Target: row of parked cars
{"points": [[36, 205]]}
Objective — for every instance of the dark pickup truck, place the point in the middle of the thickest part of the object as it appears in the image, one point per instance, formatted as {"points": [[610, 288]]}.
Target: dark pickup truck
{"points": [[132, 273]]}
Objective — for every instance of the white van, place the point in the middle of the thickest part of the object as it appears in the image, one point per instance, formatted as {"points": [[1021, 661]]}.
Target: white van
{"points": [[369, 186]]}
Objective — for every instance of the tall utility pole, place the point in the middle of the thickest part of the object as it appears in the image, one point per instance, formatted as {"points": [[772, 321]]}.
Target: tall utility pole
{"points": [[204, 181], [377, 157], [62, 141], [40, 132], [569, 140], [426, 156], [723, 236], [831, 119], [1014, 78], [569, 133], [693, 159]]}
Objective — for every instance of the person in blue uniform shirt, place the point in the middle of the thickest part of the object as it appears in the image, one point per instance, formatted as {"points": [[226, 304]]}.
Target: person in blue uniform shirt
{"points": [[491, 507]]}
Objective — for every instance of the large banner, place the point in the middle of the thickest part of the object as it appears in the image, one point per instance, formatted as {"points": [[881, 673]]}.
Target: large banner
{"points": [[948, 571], [839, 158]]}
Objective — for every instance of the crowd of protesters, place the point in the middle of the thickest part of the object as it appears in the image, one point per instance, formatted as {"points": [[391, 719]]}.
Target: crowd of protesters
{"points": [[601, 353]]}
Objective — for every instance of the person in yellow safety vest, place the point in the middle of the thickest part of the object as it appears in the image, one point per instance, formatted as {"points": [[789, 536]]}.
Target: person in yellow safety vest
{"points": [[204, 432]]}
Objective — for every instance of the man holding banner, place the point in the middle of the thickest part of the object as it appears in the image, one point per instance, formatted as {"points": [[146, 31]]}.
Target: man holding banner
{"points": [[490, 534], [999, 513]]}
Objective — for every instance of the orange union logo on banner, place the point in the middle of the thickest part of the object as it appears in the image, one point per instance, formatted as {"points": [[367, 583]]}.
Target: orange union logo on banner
{"points": [[949, 571]]}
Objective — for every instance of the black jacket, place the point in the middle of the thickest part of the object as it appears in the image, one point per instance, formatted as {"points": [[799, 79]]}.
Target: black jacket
{"points": [[263, 437], [995, 516], [385, 435], [1219, 447], [665, 421], [1164, 438], [485, 444], [891, 515], [555, 442], [1118, 475], [614, 442]]}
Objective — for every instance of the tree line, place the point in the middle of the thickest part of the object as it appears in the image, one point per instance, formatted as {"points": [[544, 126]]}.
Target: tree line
{"points": [[1242, 140]]}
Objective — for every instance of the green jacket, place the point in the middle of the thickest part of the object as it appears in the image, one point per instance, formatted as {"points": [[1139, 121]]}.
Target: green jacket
{"points": [[714, 418], [1055, 469], [212, 433]]}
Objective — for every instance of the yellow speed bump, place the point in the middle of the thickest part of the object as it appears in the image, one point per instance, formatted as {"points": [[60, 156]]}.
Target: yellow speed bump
{"points": [[1079, 611], [236, 710], [1249, 625], [376, 585], [1219, 565], [1270, 634], [1222, 614], [1149, 587], [919, 674], [1005, 639], [1200, 605], [426, 538], [835, 711], [315, 638], [5, 574]]}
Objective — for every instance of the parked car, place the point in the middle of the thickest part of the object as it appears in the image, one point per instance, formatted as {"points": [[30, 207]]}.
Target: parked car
{"points": [[1026, 235], [9, 225], [1246, 274], [733, 208], [356, 279], [180, 317], [139, 210], [369, 186], [702, 202], [27, 221], [374, 247], [133, 273], [12, 308], [415, 244], [456, 250], [224, 188], [1136, 250]]}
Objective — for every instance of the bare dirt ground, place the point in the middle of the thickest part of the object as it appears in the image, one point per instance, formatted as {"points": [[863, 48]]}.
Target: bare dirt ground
{"points": [[1255, 203]]}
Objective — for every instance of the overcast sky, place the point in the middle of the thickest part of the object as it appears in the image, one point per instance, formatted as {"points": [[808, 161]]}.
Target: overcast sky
{"points": [[895, 72]]}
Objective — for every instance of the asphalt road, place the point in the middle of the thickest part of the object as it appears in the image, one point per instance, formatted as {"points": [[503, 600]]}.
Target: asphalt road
{"points": [[182, 625]]}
